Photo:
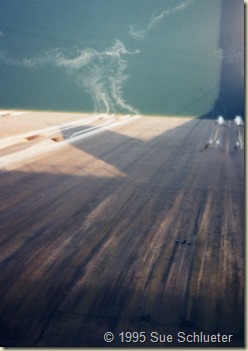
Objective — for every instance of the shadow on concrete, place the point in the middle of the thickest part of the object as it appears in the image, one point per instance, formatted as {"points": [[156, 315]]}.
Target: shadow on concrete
{"points": [[84, 253]]}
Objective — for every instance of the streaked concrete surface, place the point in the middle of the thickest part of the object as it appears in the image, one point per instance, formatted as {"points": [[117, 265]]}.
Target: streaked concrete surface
{"points": [[136, 228]]}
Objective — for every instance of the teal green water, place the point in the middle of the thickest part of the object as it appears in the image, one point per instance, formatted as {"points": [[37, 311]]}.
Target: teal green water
{"points": [[144, 56]]}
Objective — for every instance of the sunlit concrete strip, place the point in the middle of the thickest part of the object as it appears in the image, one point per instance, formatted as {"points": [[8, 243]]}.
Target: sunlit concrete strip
{"points": [[19, 158], [12, 113], [18, 113], [8, 141], [91, 129], [101, 129], [4, 113], [63, 128]]}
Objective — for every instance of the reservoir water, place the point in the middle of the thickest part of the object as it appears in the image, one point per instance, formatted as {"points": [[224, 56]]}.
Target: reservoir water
{"points": [[162, 57]]}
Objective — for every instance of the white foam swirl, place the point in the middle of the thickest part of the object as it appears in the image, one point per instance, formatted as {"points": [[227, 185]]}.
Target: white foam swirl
{"points": [[100, 73], [156, 19]]}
